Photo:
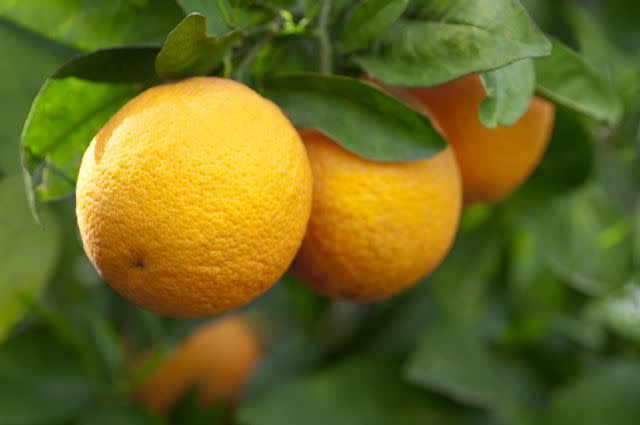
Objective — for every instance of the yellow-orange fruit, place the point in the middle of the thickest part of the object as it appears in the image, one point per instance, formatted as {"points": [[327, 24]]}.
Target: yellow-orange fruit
{"points": [[493, 162], [193, 199], [375, 228], [216, 359]]}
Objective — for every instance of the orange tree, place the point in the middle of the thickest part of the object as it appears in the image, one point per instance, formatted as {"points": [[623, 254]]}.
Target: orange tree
{"points": [[510, 126]]}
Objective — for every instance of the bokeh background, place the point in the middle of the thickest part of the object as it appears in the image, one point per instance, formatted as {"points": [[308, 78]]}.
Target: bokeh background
{"points": [[533, 318]]}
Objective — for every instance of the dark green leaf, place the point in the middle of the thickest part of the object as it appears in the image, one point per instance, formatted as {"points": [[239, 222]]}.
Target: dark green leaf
{"points": [[567, 79], [452, 359], [113, 65], [217, 12], [88, 24], [455, 38], [607, 395], [369, 20], [619, 312], [27, 61], [360, 117], [119, 415], [189, 51], [509, 91], [362, 391], [28, 253], [39, 383]]}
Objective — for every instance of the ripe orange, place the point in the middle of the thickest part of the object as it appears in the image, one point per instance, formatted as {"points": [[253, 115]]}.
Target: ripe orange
{"points": [[217, 359], [375, 228], [493, 162], [193, 199]]}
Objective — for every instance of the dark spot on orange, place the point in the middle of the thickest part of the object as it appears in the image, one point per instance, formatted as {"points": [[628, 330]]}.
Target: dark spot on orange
{"points": [[138, 264]]}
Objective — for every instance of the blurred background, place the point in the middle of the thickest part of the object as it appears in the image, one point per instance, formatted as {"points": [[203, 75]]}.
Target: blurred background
{"points": [[533, 318]]}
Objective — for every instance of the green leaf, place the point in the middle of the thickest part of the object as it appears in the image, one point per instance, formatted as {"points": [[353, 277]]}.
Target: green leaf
{"points": [[119, 415], [452, 359], [64, 118], [368, 20], [619, 312], [40, 383], [566, 165], [452, 38], [28, 253], [509, 91], [217, 12], [360, 117], [27, 61], [87, 24], [70, 109], [113, 65], [569, 80], [583, 239], [189, 51], [360, 391], [606, 395]]}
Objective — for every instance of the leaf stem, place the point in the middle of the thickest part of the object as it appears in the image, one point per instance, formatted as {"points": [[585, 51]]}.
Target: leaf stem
{"points": [[326, 52]]}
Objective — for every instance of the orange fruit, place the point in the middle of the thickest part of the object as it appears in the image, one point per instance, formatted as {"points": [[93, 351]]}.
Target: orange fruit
{"points": [[193, 199], [216, 359], [375, 228], [493, 161]]}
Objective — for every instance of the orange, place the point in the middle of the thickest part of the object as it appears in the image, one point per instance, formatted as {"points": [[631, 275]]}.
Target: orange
{"points": [[216, 359], [493, 161], [375, 228], [193, 199]]}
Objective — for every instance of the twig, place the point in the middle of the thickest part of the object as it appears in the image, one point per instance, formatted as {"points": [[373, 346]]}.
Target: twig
{"points": [[326, 53]]}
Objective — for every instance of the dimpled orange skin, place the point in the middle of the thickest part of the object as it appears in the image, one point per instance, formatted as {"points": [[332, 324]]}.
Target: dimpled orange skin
{"points": [[375, 228], [217, 359], [193, 199], [493, 162]]}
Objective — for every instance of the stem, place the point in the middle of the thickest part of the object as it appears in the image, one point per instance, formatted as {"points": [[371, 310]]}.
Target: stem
{"points": [[225, 15], [326, 53]]}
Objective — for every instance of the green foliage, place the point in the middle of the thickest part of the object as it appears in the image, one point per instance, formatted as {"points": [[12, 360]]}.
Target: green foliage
{"points": [[531, 318]]}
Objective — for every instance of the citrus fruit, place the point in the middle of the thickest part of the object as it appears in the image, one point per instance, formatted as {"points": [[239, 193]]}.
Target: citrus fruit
{"points": [[194, 197], [375, 228], [216, 360], [493, 161]]}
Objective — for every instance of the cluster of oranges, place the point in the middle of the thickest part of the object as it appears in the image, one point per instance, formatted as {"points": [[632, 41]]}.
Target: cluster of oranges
{"points": [[198, 195]]}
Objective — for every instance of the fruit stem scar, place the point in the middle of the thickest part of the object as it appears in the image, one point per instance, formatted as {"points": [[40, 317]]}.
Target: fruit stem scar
{"points": [[138, 264]]}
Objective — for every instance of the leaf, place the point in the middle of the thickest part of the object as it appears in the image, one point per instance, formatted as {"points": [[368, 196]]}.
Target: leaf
{"points": [[368, 20], [606, 395], [217, 13], [451, 359], [509, 91], [620, 312], [70, 109], [360, 391], [361, 118], [39, 389], [28, 253], [452, 38], [119, 415], [569, 80], [189, 51], [27, 61], [566, 165], [87, 24]]}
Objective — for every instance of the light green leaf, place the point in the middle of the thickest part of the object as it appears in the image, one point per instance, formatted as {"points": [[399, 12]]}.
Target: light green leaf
{"points": [[189, 51], [368, 20], [360, 117], [569, 80], [87, 24], [452, 38], [27, 253], [509, 91]]}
